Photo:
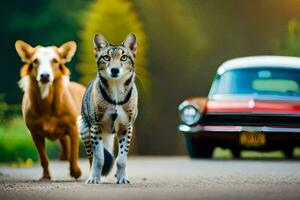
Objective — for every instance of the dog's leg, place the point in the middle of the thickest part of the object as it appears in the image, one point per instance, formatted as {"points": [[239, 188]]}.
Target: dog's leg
{"points": [[124, 143], [40, 145], [74, 168], [98, 155], [65, 148]]}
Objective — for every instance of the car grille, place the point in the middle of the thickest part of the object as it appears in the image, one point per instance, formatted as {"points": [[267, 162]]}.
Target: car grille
{"points": [[251, 119]]}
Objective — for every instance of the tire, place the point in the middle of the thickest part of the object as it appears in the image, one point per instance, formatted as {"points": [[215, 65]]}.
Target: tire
{"points": [[198, 148], [236, 153], [288, 152]]}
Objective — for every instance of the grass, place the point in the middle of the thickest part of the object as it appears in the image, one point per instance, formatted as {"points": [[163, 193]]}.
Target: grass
{"points": [[17, 147], [16, 143]]}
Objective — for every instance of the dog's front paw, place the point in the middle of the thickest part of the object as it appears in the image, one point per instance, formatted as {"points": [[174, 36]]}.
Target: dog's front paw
{"points": [[122, 180], [75, 172], [45, 178], [121, 177], [93, 180]]}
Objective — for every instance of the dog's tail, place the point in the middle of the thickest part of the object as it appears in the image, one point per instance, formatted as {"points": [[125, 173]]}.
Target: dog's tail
{"points": [[109, 160]]}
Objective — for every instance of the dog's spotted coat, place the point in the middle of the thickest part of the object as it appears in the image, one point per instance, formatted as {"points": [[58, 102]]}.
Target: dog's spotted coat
{"points": [[110, 106]]}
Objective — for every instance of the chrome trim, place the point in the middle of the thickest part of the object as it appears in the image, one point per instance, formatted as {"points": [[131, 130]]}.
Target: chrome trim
{"points": [[271, 129], [187, 103], [185, 128], [253, 97], [268, 114], [193, 129]]}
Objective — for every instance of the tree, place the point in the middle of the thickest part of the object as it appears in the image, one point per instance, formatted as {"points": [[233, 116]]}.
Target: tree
{"points": [[38, 22]]}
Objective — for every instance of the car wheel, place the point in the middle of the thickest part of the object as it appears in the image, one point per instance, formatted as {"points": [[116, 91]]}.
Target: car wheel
{"points": [[288, 152], [236, 153], [198, 148]]}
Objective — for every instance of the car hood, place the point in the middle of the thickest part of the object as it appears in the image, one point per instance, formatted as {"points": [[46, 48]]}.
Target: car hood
{"points": [[253, 106]]}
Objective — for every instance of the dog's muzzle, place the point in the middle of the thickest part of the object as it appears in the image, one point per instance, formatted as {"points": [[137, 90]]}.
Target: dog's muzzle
{"points": [[44, 78], [114, 72]]}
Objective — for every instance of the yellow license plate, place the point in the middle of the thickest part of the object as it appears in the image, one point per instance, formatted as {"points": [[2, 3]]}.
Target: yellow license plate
{"points": [[252, 139]]}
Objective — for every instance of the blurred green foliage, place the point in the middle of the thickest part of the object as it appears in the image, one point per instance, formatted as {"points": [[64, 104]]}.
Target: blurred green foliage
{"points": [[290, 45], [3, 107], [8, 111], [114, 19], [38, 22], [16, 142]]}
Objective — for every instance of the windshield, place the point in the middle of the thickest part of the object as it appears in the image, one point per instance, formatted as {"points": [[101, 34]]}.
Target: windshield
{"points": [[258, 81]]}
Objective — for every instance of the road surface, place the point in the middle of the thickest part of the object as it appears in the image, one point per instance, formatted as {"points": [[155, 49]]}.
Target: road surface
{"points": [[161, 178]]}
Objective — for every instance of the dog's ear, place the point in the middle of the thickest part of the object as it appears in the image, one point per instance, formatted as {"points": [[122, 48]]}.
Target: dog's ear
{"points": [[130, 43], [99, 42], [24, 50], [67, 51]]}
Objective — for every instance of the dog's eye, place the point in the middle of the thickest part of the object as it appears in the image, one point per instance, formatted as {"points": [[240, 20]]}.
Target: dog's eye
{"points": [[35, 61], [54, 60], [124, 58], [106, 58]]}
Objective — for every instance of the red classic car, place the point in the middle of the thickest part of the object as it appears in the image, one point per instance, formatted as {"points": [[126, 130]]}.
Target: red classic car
{"points": [[254, 103]]}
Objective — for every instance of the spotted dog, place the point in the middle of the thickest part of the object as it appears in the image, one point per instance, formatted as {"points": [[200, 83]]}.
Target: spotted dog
{"points": [[110, 106]]}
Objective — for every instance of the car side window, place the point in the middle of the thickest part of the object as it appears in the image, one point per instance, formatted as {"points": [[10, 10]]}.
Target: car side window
{"points": [[214, 86]]}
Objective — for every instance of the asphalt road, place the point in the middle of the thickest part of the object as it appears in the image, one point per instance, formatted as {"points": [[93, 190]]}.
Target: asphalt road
{"points": [[162, 178]]}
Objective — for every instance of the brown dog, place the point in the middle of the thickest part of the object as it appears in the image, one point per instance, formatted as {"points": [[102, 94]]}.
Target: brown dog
{"points": [[51, 104]]}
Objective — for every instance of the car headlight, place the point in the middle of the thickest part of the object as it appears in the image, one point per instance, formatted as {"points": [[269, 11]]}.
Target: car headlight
{"points": [[189, 113]]}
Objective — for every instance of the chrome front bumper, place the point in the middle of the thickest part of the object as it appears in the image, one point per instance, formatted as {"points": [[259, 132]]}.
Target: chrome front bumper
{"points": [[198, 128]]}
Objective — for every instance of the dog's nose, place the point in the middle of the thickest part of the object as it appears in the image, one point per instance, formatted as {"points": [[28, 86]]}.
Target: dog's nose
{"points": [[44, 78], [114, 72]]}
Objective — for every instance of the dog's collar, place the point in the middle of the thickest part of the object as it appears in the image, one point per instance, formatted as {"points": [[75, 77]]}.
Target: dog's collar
{"points": [[112, 101]]}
